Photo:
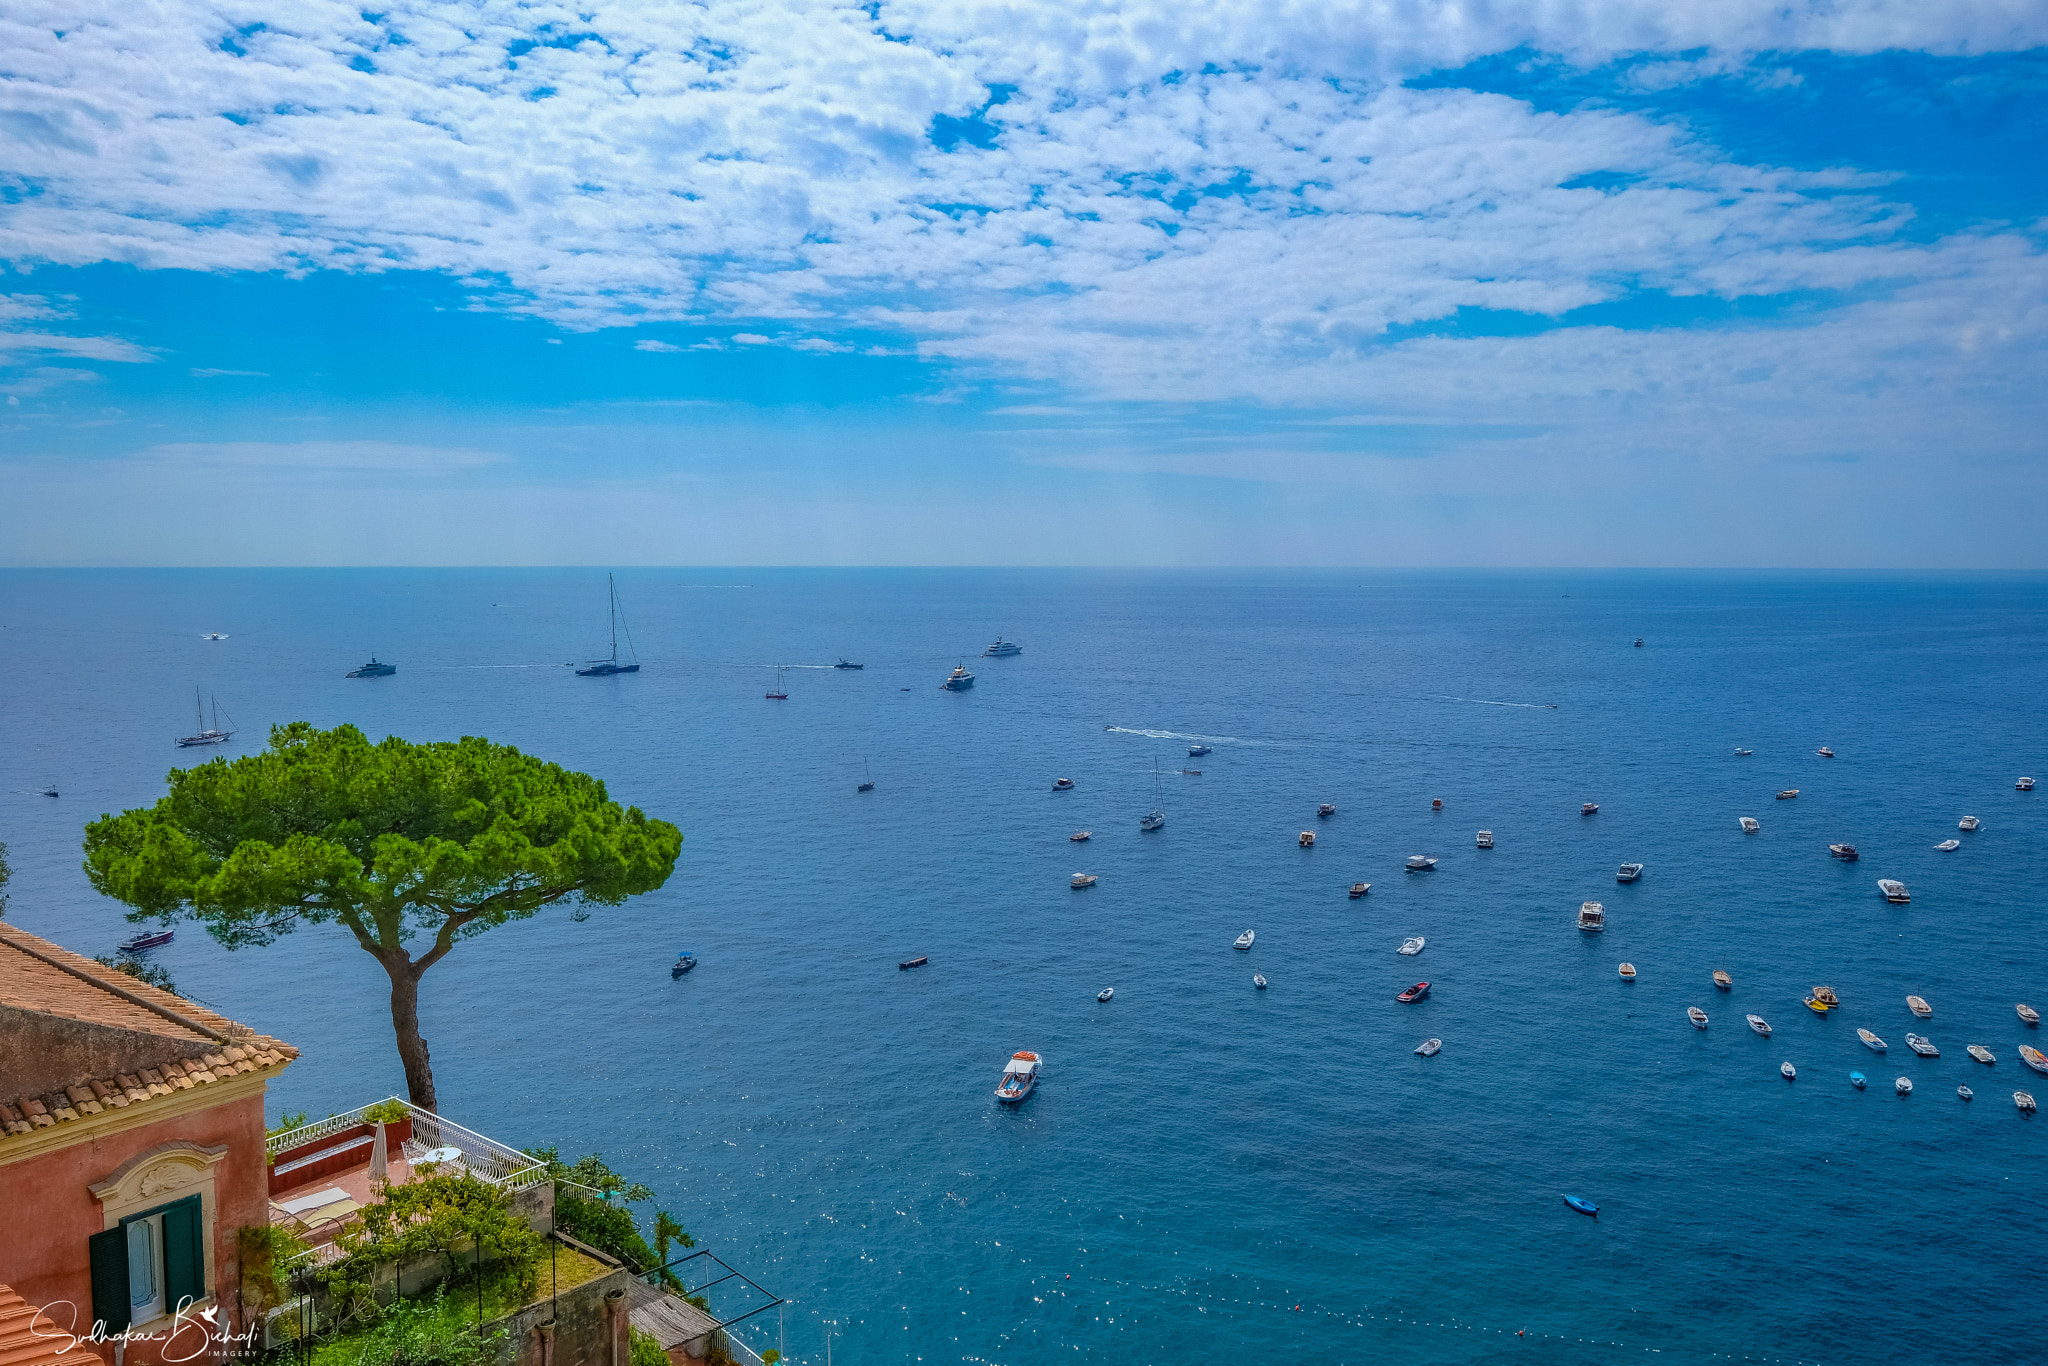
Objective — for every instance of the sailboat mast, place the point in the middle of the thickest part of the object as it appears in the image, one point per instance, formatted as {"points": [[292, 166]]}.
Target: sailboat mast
{"points": [[198, 709], [612, 585]]}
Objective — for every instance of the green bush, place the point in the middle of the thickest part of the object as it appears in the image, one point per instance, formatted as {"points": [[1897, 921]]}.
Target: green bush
{"points": [[647, 1351], [419, 1332], [445, 1215], [386, 1112]]}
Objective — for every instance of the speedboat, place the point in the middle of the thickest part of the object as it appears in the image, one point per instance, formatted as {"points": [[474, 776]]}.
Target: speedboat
{"points": [[1845, 852], [1826, 996], [1003, 649], [1922, 1045], [1968, 823], [1750, 825], [2025, 1101], [1722, 979], [376, 668], [1871, 1041], [1628, 872], [1197, 751], [1080, 835], [910, 963], [1742, 754], [1982, 1054], [1592, 916], [2033, 1058], [147, 939], [1062, 784], [1697, 1016], [1428, 1048], [959, 680], [1259, 980], [1964, 1093], [1359, 889], [1639, 642], [1486, 839], [1081, 880], [2028, 1015], [1788, 1071], [1306, 839], [1757, 1023], [1244, 941], [1105, 993], [1410, 947], [1856, 1080], [848, 664], [1628, 972], [2024, 785], [1817, 1007], [1788, 794], [1825, 753], [1894, 891], [684, 962], [1436, 803], [1018, 1077], [1949, 846], [1918, 1005], [1588, 808], [1326, 809], [1418, 863], [1413, 994], [1903, 1086], [1586, 1207], [50, 791]]}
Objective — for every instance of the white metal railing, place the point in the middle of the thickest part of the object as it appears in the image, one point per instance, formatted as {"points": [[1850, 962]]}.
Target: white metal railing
{"points": [[489, 1159]]}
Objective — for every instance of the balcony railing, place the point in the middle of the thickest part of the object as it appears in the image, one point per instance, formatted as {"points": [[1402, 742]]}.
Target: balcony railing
{"points": [[489, 1159]]}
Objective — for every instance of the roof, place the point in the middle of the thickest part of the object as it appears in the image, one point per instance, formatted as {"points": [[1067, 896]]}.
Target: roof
{"points": [[19, 1346], [78, 1038]]}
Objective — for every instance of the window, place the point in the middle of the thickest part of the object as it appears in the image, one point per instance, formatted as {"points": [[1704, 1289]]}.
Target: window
{"points": [[149, 1264], [145, 1267]]}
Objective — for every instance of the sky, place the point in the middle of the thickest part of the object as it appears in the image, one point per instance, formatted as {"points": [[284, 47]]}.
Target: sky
{"points": [[1762, 283]]}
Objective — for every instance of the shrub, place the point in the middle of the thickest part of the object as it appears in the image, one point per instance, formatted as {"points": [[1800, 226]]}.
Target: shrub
{"points": [[647, 1351], [442, 1215], [417, 1333]]}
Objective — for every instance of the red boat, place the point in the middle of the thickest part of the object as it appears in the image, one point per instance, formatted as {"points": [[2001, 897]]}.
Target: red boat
{"points": [[1413, 994]]}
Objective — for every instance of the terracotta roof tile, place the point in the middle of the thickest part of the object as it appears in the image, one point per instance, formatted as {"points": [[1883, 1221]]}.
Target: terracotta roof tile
{"points": [[20, 1343]]}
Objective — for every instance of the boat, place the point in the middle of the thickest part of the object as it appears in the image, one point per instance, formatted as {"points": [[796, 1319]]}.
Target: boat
{"points": [[2025, 1101], [1244, 941], [1639, 642], [376, 668], [959, 680], [1428, 1048], [1826, 996], [1105, 993], [1742, 754], [1080, 835], [1592, 916], [1982, 1054], [1922, 1045], [1750, 825], [1156, 817], [1359, 889], [1758, 1023], [1197, 751], [1628, 872], [1486, 839], [1949, 846], [50, 791], [1918, 1005], [1413, 994], [1410, 947], [1326, 809], [869, 785], [1856, 1080], [604, 668], [2024, 785], [1586, 1207], [215, 635], [1436, 803], [1190, 772], [206, 735], [1697, 1016], [1628, 972], [1788, 794], [1588, 808], [1080, 880], [2033, 1058], [1845, 852], [776, 693], [2028, 1015], [1788, 1071], [1817, 1007], [1419, 863], [1964, 1093], [1825, 753], [685, 961], [1871, 1041], [146, 939], [1062, 784], [1306, 839], [848, 664], [1894, 891], [1018, 1077], [916, 962], [1722, 979], [1968, 823], [1259, 980], [1903, 1086], [1003, 649]]}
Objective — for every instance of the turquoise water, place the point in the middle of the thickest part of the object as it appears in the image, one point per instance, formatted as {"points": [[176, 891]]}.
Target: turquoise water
{"points": [[1202, 1158]]}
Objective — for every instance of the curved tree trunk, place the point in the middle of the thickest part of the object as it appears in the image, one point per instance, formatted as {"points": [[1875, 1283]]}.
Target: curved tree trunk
{"points": [[405, 1023]]}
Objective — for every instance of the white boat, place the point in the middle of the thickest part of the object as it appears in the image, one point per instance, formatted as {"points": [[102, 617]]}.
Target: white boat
{"points": [[1307, 839], [1982, 1054], [1411, 947], [207, 735], [1922, 1045], [1327, 809], [1697, 1016], [1359, 889], [1588, 808], [1003, 649], [1628, 872], [1949, 846], [1259, 980], [1105, 993], [1628, 972], [1788, 794], [1894, 891], [2024, 1100], [1788, 1071], [2028, 1015], [2024, 785], [1080, 835], [1156, 817], [1244, 941], [1417, 863], [1964, 1093], [1871, 1041], [1825, 753], [1428, 1047], [1756, 1022], [1486, 839], [2033, 1058], [959, 680], [1019, 1077], [1918, 1005], [1967, 823], [1592, 916], [1081, 880], [1903, 1086], [1722, 979], [1750, 825], [1742, 754]]}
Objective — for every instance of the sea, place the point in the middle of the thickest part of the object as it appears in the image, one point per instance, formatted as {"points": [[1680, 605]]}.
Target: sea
{"points": [[1208, 1171]]}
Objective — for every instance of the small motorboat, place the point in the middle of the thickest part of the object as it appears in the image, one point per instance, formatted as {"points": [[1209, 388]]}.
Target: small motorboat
{"points": [[1189, 772], [2033, 1058], [1307, 839], [1856, 1080], [1894, 891], [146, 939], [1628, 872], [1750, 825], [1080, 835], [1949, 846], [1410, 947], [1845, 852], [1967, 823], [916, 962], [1244, 941], [2024, 785], [50, 791], [1327, 809], [1592, 916], [1817, 1007], [848, 664], [1903, 1086], [1628, 972], [684, 963], [1418, 863], [1922, 1045], [1788, 794], [1697, 1016], [1588, 808], [1757, 1023], [1788, 1071], [1722, 979], [1871, 1041], [1486, 839], [1259, 980], [1825, 753], [2028, 1015], [1105, 993], [1918, 1005], [1413, 994], [1359, 889], [1019, 1076], [1826, 996], [1428, 1048], [1639, 642], [2024, 1100], [1585, 1207], [1742, 754], [1062, 784], [1436, 803], [1964, 1093], [959, 680], [1982, 1054], [1080, 880], [1197, 751]]}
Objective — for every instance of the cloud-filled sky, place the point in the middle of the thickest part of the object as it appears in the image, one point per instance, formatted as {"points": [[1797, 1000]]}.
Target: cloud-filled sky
{"points": [[749, 281]]}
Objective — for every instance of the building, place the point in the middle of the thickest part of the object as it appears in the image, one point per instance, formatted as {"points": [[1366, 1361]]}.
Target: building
{"points": [[131, 1152]]}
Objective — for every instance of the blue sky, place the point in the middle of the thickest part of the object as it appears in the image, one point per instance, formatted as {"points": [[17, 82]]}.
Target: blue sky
{"points": [[1609, 284]]}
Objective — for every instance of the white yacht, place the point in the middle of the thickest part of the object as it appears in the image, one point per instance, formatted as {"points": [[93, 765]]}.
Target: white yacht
{"points": [[1756, 1022], [959, 680], [1419, 863], [1592, 916], [1750, 825], [1894, 891], [1003, 649], [1105, 993], [1428, 1047], [1486, 839], [1081, 880], [1411, 947], [1156, 817], [1244, 941], [1922, 1045], [1949, 846], [2024, 785], [1982, 1054], [1019, 1077], [1628, 872], [1967, 823], [1742, 754]]}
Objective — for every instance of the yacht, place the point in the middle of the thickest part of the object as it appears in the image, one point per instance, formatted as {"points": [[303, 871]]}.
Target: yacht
{"points": [[1413, 994], [2024, 785], [1845, 852], [1628, 872], [1922, 1045], [868, 782], [1871, 1041], [1156, 817], [376, 668], [1003, 649], [1486, 839], [1949, 846], [2033, 1058], [1592, 916], [1825, 753], [1750, 825], [1894, 891], [1080, 835], [1826, 996], [959, 680], [1918, 1005], [1419, 863], [1326, 809], [609, 665], [1062, 784], [1722, 980], [1410, 947], [1588, 808], [1306, 839], [1756, 1022], [1197, 751], [1359, 889], [2024, 1101], [1742, 754], [1019, 1077], [2028, 1015], [848, 664], [1628, 972], [1105, 993], [1964, 1093], [1259, 980], [147, 939], [1982, 1054], [1080, 880], [777, 693], [1788, 794], [1697, 1016], [207, 735], [1967, 824], [1428, 1048], [1903, 1086], [1244, 941], [1788, 1071]]}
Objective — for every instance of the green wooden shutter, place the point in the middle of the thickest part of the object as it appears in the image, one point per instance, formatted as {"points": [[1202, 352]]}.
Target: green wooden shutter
{"points": [[184, 1253], [108, 1253]]}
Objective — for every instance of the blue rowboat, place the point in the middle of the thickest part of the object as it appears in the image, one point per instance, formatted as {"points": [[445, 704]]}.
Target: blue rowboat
{"points": [[1583, 1206], [1856, 1080]]}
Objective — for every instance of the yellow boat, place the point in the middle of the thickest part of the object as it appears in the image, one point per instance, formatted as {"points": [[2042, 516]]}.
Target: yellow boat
{"points": [[1817, 1007]]}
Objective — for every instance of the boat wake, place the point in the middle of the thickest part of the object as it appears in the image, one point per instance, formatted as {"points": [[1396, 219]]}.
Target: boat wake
{"points": [[1179, 735], [1482, 702]]}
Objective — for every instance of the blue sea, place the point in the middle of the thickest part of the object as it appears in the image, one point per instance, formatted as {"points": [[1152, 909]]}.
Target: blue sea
{"points": [[1208, 1172]]}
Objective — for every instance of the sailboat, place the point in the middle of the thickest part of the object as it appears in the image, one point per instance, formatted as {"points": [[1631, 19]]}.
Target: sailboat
{"points": [[869, 785], [776, 694], [604, 668], [208, 735], [1156, 817]]}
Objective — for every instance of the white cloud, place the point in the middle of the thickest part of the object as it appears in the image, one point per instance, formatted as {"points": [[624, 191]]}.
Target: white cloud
{"points": [[659, 347], [85, 348], [319, 456], [208, 372]]}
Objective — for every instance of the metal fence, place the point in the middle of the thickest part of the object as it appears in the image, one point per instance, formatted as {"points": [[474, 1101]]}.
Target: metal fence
{"points": [[489, 1159]]}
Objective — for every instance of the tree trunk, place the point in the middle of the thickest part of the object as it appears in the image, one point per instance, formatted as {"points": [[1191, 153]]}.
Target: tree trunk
{"points": [[405, 1022]]}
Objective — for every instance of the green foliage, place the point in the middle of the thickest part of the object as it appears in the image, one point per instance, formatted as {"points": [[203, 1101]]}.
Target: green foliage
{"points": [[386, 1112], [591, 1171], [155, 974], [444, 1215], [647, 1350], [266, 1253], [770, 1357], [422, 1332], [298, 1119], [608, 1225]]}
